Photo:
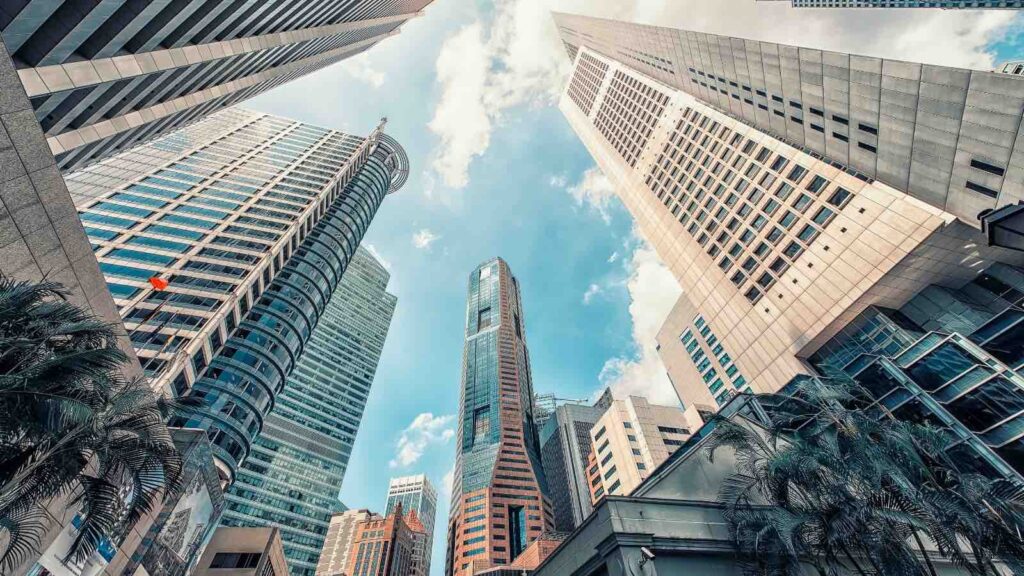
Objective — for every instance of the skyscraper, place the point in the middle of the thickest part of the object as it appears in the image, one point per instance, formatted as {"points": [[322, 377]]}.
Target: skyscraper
{"points": [[222, 244], [947, 4], [498, 501], [293, 475], [564, 449], [416, 494], [105, 76], [945, 136], [788, 189]]}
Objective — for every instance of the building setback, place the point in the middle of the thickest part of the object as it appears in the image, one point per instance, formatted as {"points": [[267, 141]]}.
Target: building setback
{"points": [[293, 475], [334, 556], [416, 494], [105, 76], [776, 247], [565, 447], [499, 503]]}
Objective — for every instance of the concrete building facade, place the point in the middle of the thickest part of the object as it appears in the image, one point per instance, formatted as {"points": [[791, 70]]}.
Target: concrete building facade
{"points": [[632, 438], [416, 494], [775, 245], [945, 136], [103, 77], [499, 503], [334, 556], [295, 471], [243, 552]]}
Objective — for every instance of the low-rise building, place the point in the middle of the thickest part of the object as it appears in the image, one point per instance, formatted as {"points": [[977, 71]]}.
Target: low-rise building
{"points": [[634, 437], [334, 556], [235, 551]]}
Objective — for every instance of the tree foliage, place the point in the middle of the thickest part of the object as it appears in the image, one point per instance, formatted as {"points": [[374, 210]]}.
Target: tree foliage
{"points": [[71, 426], [841, 486]]}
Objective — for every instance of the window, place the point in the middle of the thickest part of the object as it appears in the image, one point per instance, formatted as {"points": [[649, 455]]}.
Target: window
{"points": [[235, 560], [840, 119], [981, 189], [839, 197], [867, 128], [483, 318], [867, 147], [840, 137], [985, 166], [817, 184]]}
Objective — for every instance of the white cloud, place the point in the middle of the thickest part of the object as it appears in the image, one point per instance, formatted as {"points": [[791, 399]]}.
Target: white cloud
{"points": [[558, 181], [592, 290], [594, 190], [516, 58], [461, 119], [424, 238], [425, 430], [359, 69], [613, 258], [652, 293]]}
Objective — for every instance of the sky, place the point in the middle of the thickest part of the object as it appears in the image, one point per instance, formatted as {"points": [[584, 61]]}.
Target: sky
{"points": [[469, 89]]}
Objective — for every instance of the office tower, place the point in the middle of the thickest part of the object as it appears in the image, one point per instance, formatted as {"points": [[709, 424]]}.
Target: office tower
{"points": [[564, 449], [334, 556], [222, 244], [946, 136], [384, 546], [779, 235], [416, 494], [632, 438], [245, 552], [946, 4], [498, 501], [292, 477], [105, 76]]}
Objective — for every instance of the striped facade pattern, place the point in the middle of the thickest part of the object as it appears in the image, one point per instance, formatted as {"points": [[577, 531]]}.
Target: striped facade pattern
{"points": [[103, 76], [499, 495], [947, 136]]}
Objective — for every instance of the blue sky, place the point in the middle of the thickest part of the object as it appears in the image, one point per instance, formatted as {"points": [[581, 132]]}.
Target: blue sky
{"points": [[469, 90]]}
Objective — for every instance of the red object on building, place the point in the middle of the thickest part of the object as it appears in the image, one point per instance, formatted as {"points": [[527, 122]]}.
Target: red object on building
{"points": [[158, 283]]}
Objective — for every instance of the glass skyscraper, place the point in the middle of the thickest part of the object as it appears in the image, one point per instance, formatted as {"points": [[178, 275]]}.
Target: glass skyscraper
{"points": [[416, 494], [103, 76], [499, 503], [292, 477], [788, 189], [222, 244]]}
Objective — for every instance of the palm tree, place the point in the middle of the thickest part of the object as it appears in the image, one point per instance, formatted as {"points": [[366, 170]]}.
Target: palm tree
{"points": [[836, 483], [71, 426]]}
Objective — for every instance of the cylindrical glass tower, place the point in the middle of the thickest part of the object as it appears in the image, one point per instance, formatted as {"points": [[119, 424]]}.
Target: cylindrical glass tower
{"points": [[240, 385]]}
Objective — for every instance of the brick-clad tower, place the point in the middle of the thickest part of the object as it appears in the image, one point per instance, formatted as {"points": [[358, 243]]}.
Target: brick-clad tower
{"points": [[498, 493]]}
